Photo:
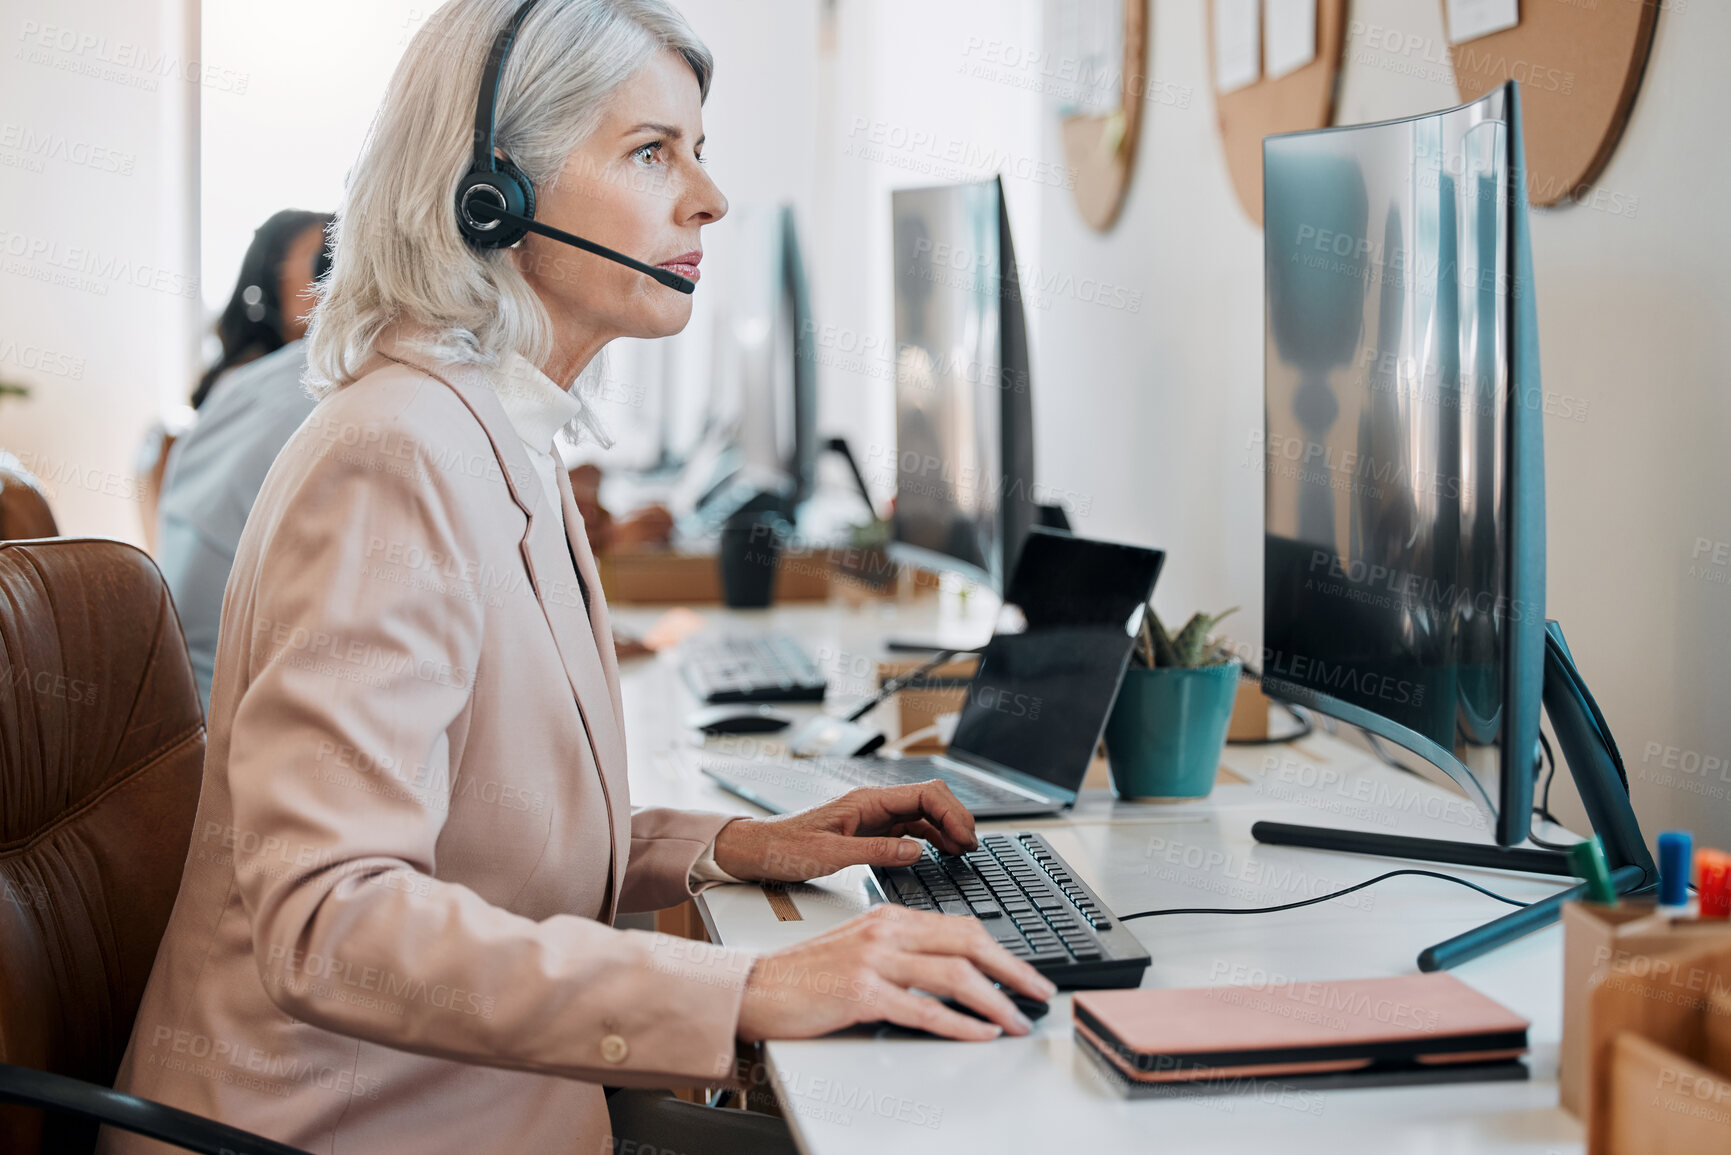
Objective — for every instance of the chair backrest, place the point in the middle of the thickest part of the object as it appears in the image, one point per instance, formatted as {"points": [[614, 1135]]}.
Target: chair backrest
{"points": [[152, 471], [101, 754], [24, 508]]}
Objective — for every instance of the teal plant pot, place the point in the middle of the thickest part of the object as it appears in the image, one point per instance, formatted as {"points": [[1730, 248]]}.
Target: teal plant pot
{"points": [[1167, 730]]}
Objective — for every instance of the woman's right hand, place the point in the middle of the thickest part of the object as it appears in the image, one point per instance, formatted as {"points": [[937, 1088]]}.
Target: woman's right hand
{"points": [[866, 970]]}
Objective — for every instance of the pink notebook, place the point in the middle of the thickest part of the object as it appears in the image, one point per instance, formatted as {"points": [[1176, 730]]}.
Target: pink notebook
{"points": [[1204, 1033]]}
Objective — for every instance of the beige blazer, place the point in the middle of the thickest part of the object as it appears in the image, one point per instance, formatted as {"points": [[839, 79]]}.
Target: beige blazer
{"points": [[393, 930]]}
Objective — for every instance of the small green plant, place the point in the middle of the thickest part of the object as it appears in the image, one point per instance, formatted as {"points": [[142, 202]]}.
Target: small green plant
{"points": [[1157, 649]]}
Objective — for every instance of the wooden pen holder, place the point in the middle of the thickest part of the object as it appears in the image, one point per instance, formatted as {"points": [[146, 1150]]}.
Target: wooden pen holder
{"points": [[941, 692], [1646, 1026]]}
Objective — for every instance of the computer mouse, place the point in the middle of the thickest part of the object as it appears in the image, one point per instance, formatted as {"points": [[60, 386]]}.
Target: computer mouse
{"points": [[1032, 1009], [744, 718]]}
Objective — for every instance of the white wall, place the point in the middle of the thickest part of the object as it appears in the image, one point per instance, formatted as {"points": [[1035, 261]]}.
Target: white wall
{"points": [[99, 277], [1150, 413], [289, 139], [906, 113]]}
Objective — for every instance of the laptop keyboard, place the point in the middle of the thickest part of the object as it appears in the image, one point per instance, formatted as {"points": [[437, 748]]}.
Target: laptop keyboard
{"points": [[969, 791], [1030, 900]]}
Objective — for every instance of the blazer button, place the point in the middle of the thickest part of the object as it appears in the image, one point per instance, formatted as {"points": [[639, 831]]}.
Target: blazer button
{"points": [[614, 1049]]}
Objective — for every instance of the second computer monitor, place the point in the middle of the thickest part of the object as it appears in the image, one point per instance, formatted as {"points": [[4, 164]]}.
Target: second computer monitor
{"points": [[1405, 538], [759, 444], [964, 424]]}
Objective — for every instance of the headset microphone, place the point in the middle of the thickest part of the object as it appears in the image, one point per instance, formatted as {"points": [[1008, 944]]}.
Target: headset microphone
{"points": [[496, 202], [487, 207]]}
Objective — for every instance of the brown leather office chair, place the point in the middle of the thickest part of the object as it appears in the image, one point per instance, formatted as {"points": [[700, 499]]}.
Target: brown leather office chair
{"points": [[24, 508], [101, 756], [152, 469]]}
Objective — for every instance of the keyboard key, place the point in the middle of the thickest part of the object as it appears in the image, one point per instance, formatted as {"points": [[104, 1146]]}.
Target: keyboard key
{"points": [[1026, 898]]}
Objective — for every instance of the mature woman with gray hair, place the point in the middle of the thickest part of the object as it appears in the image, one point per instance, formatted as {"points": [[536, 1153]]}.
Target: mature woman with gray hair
{"points": [[394, 931]]}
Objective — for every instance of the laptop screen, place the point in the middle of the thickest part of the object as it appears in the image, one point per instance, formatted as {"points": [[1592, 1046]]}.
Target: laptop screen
{"points": [[1039, 701]]}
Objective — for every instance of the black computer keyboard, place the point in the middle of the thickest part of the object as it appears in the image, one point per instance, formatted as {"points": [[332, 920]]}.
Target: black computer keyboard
{"points": [[767, 667], [1031, 902]]}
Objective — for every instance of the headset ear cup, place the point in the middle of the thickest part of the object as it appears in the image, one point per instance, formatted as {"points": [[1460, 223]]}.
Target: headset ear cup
{"points": [[504, 185], [526, 188]]}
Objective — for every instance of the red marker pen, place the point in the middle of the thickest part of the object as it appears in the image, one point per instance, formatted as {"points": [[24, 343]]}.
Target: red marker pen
{"points": [[1713, 883]]}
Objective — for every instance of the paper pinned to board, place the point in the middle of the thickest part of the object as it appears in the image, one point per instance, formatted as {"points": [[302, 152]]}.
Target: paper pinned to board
{"points": [[1090, 41], [1237, 44], [1289, 29], [1471, 19]]}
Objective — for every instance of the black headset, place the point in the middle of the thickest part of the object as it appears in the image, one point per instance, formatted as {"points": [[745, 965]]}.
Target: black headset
{"points": [[496, 202]]}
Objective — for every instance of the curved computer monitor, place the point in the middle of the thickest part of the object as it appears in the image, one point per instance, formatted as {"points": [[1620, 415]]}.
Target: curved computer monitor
{"points": [[1404, 555], [964, 423], [760, 439]]}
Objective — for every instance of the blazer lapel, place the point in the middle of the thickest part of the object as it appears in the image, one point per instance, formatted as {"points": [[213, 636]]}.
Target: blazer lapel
{"points": [[584, 642], [613, 770], [600, 622]]}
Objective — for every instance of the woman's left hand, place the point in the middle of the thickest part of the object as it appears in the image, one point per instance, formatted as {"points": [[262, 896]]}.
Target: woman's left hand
{"points": [[874, 826]]}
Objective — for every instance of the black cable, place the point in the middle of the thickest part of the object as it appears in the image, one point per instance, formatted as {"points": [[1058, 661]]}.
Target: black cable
{"points": [[1543, 809], [1550, 776], [1323, 897], [896, 685], [1542, 844], [840, 445], [1376, 748]]}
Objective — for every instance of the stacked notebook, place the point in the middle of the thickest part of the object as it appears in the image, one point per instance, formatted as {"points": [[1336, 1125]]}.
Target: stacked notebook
{"points": [[1429, 1028]]}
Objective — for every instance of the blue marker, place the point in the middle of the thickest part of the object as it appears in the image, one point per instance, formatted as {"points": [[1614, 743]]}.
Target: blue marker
{"points": [[1676, 850]]}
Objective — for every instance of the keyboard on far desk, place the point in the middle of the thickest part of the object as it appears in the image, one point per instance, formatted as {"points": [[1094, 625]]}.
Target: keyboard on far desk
{"points": [[1031, 902], [766, 667]]}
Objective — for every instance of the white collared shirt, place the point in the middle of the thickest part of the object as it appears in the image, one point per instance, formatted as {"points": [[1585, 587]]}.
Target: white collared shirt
{"points": [[538, 409]]}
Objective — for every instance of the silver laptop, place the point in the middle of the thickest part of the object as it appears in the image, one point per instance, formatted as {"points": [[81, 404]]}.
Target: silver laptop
{"points": [[1035, 708]]}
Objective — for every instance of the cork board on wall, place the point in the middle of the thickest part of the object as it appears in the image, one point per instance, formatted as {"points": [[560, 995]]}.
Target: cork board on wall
{"points": [[1300, 100], [1579, 67], [1101, 150]]}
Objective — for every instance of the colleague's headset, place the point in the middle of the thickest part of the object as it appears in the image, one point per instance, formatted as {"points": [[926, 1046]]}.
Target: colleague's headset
{"points": [[496, 202]]}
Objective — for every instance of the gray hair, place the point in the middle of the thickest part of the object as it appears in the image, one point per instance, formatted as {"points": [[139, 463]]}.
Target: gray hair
{"points": [[399, 255]]}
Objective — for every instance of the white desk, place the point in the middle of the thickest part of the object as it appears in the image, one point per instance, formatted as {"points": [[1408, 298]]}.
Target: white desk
{"points": [[856, 1092]]}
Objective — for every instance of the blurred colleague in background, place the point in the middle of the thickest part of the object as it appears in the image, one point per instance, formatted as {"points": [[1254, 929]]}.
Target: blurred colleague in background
{"points": [[415, 829], [274, 298], [249, 403]]}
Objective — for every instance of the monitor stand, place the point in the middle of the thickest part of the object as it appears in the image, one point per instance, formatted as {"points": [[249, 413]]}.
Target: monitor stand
{"points": [[1597, 768]]}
